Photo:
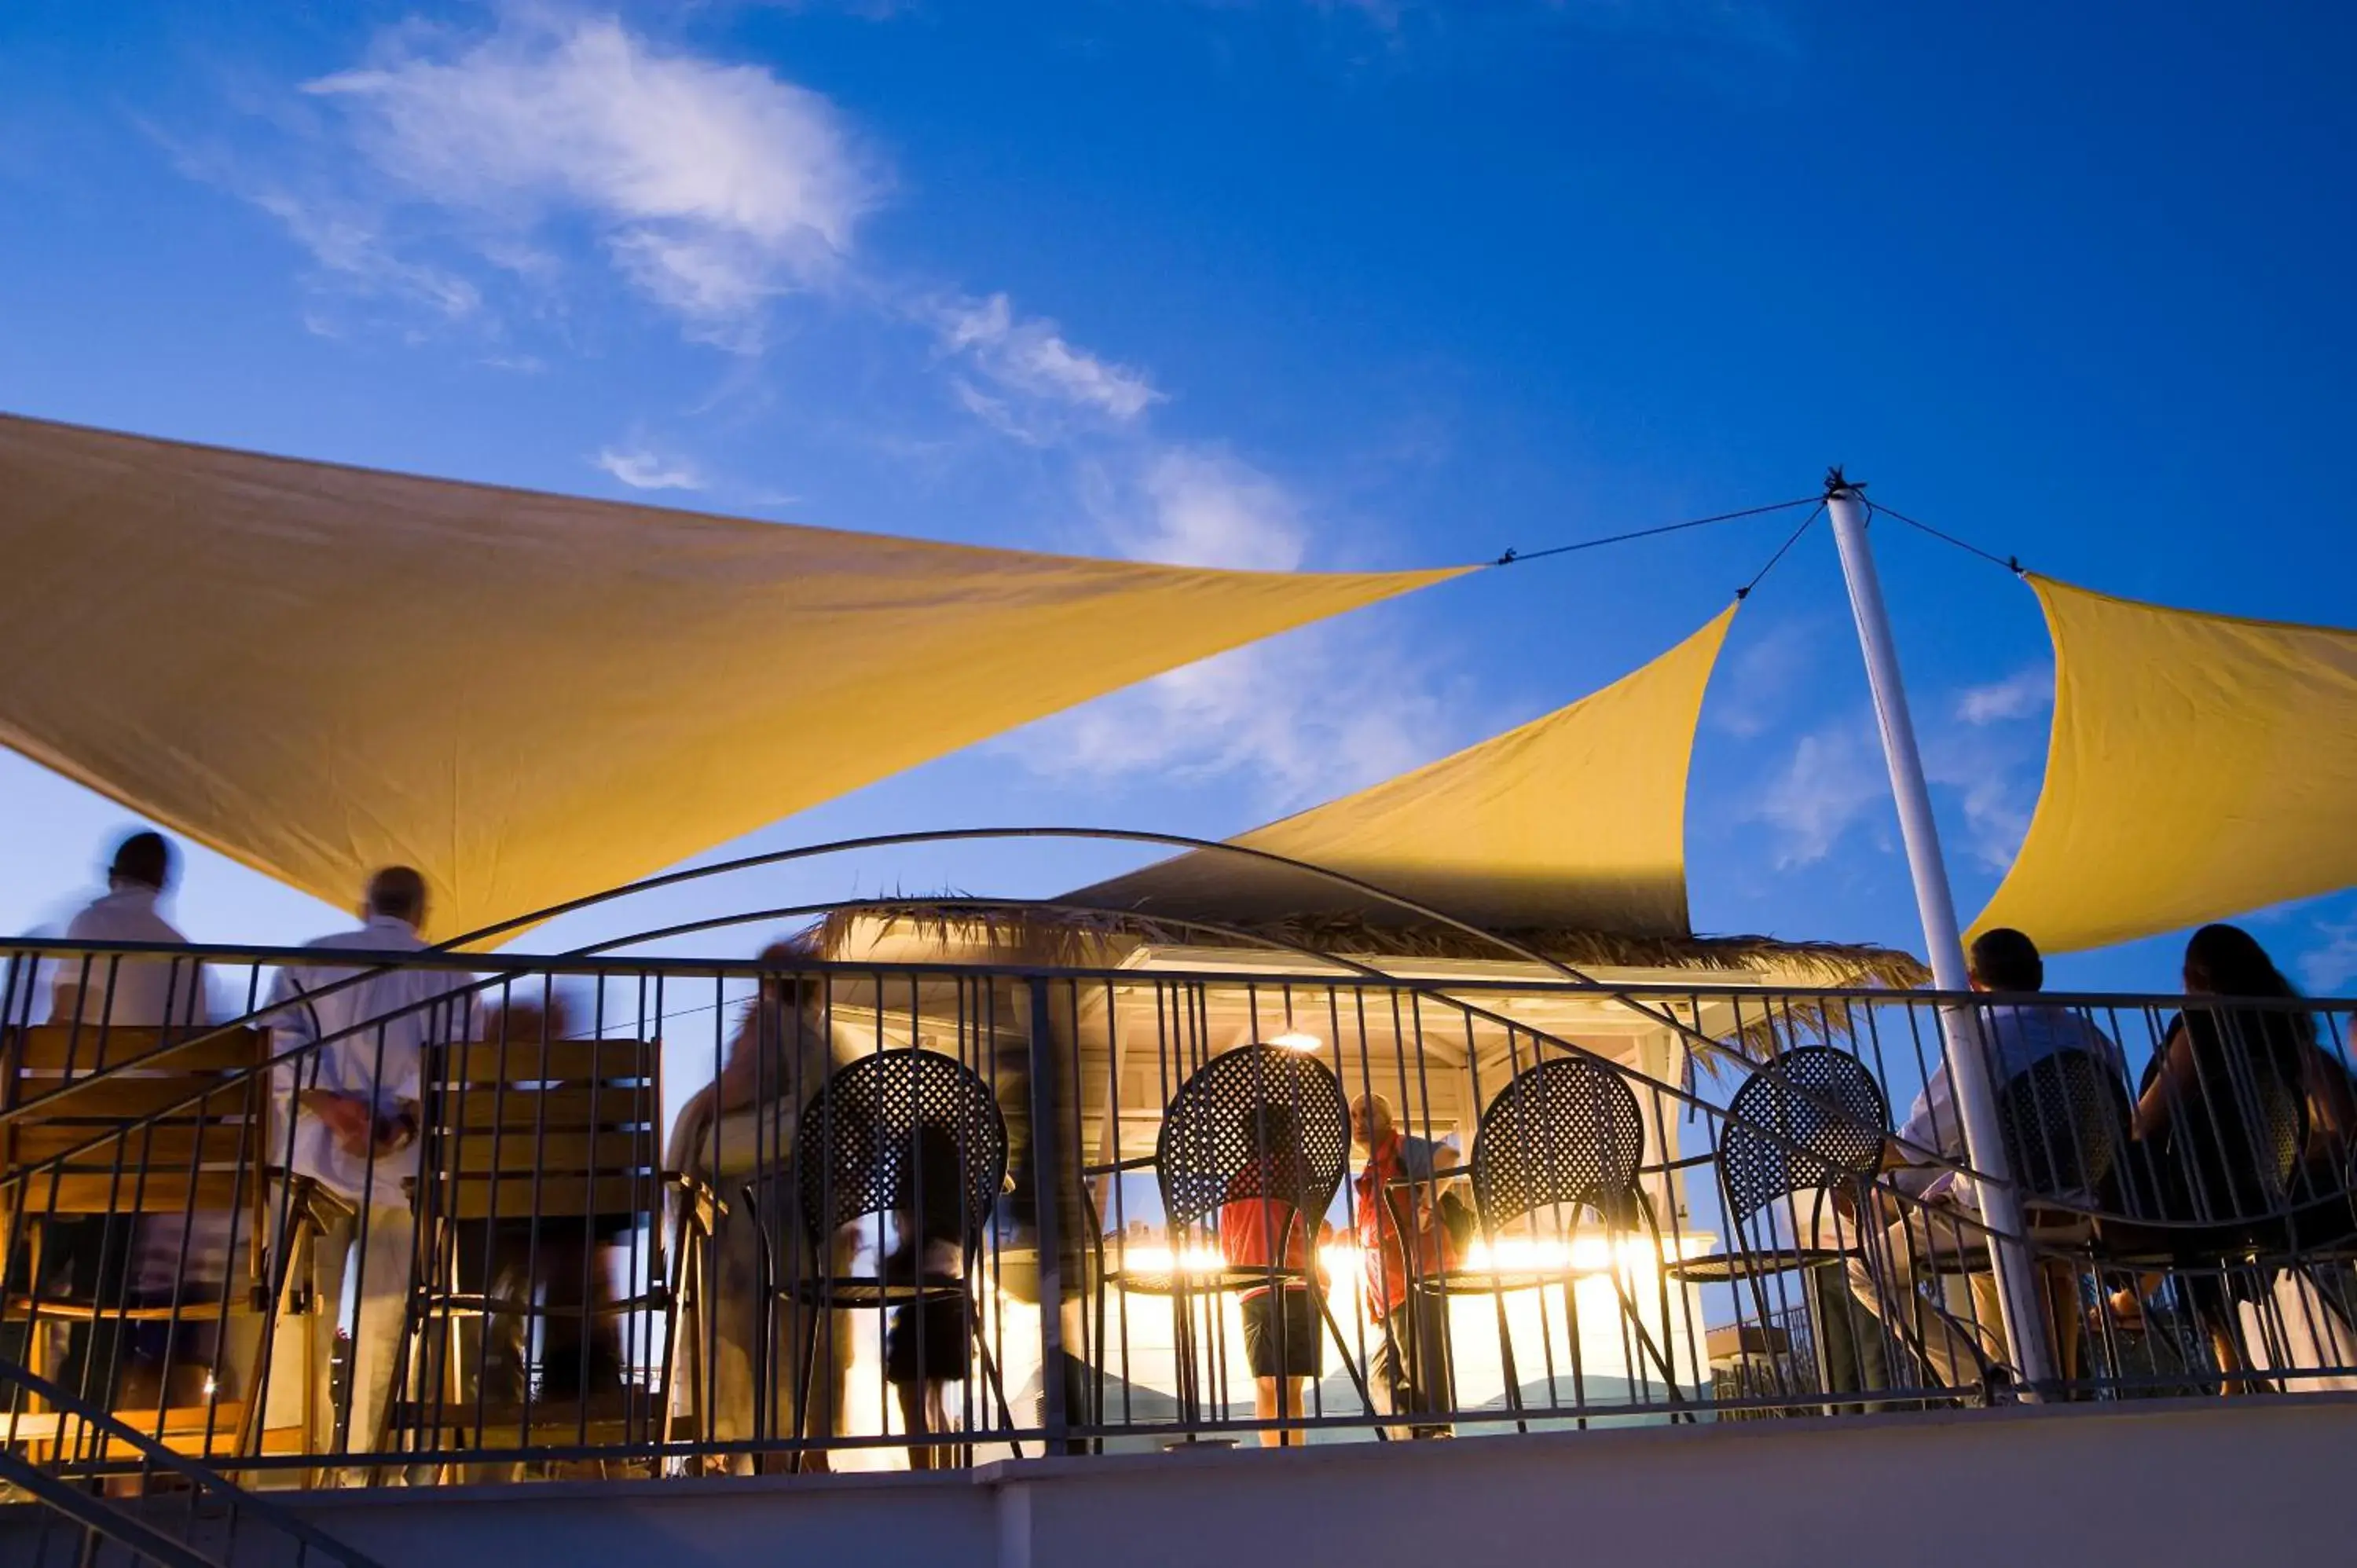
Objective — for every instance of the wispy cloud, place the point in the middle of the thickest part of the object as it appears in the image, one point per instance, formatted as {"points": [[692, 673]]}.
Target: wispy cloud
{"points": [[641, 468], [1992, 786], [712, 188], [1834, 779], [493, 177], [1301, 717], [2017, 696], [1988, 753], [1033, 359], [2326, 969], [1756, 687]]}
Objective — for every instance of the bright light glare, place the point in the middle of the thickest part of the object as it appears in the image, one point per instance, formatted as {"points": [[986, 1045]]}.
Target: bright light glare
{"points": [[1295, 1040], [1156, 1258], [1580, 1254]]}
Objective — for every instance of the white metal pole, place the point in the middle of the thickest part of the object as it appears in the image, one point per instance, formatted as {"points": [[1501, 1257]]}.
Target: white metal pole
{"points": [[2017, 1272]]}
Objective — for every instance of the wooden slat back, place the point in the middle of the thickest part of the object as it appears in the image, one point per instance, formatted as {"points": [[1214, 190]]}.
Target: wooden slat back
{"points": [[77, 1050], [148, 1151], [540, 1061], [559, 1129]]}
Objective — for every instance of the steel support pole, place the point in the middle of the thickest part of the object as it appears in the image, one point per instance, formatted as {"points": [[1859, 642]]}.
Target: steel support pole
{"points": [[2018, 1291]]}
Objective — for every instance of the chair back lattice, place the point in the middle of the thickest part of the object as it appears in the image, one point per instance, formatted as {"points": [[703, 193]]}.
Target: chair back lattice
{"points": [[857, 1147], [1259, 1121], [1565, 1132], [2064, 1118], [1810, 1120]]}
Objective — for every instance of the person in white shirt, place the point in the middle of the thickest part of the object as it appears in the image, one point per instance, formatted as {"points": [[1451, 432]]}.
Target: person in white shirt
{"points": [[349, 1062], [133, 992], [155, 1258], [1938, 1216]]}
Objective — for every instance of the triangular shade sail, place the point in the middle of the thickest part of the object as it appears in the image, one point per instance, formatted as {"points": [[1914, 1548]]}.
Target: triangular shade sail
{"points": [[1576, 820], [2201, 766], [320, 670]]}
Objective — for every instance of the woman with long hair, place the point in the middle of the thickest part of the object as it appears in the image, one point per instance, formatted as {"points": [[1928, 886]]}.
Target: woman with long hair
{"points": [[2223, 1118]]}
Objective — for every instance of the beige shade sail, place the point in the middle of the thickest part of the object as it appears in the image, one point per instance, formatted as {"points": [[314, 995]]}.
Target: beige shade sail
{"points": [[1574, 820], [320, 670], [2201, 766]]}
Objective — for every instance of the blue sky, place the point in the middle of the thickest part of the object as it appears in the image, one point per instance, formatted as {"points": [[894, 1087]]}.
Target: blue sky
{"points": [[1269, 285]]}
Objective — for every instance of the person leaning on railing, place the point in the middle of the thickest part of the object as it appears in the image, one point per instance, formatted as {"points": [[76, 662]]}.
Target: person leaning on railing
{"points": [[1402, 1239], [1930, 1209], [738, 1131], [350, 1059]]}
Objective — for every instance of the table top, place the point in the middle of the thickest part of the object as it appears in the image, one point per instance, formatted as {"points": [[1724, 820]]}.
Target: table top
{"points": [[1718, 1268], [1204, 1282]]}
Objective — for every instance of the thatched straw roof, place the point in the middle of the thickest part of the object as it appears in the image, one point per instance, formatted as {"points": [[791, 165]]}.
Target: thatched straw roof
{"points": [[1089, 939]]}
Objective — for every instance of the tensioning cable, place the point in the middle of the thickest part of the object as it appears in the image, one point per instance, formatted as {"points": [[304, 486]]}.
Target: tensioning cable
{"points": [[1512, 556], [2010, 562]]}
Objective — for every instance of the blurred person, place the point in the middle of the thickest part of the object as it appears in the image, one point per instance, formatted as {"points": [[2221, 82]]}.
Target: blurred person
{"points": [[140, 1261], [930, 1339], [133, 991], [350, 1041], [1264, 1225], [738, 1133], [1404, 1243], [552, 1272]]}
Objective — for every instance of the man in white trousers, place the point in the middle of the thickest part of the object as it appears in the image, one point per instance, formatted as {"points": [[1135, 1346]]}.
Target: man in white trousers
{"points": [[350, 1040]]}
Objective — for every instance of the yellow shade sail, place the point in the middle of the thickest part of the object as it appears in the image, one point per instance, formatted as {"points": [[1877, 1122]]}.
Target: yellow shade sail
{"points": [[320, 670], [2202, 766], [1574, 820]]}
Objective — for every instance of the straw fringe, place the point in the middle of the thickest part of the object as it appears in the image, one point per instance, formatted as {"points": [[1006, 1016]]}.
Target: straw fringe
{"points": [[1089, 939]]}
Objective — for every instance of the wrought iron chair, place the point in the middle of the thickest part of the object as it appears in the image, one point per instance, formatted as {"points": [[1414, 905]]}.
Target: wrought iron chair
{"points": [[533, 1153], [856, 1153], [186, 1137], [1563, 1136], [1216, 1148], [1812, 1121]]}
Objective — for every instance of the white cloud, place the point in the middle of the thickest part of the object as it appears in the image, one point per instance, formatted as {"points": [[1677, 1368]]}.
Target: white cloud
{"points": [[454, 169], [643, 469], [1994, 792], [1756, 687], [2327, 970], [1835, 777], [1030, 358], [712, 188], [1302, 717], [348, 244], [2017, 696], [1208, 508]]}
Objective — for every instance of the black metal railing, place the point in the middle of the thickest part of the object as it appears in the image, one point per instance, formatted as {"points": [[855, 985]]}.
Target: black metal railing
{"points": [[627, 1216]]}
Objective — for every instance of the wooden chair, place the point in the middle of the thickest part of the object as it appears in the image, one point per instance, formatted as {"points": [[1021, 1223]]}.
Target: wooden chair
{"points": [[187, 1135], [551, 1149]]}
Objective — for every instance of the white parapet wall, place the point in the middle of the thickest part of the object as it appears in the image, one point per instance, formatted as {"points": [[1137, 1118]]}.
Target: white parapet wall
{"points": [[2243, 1481]]}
